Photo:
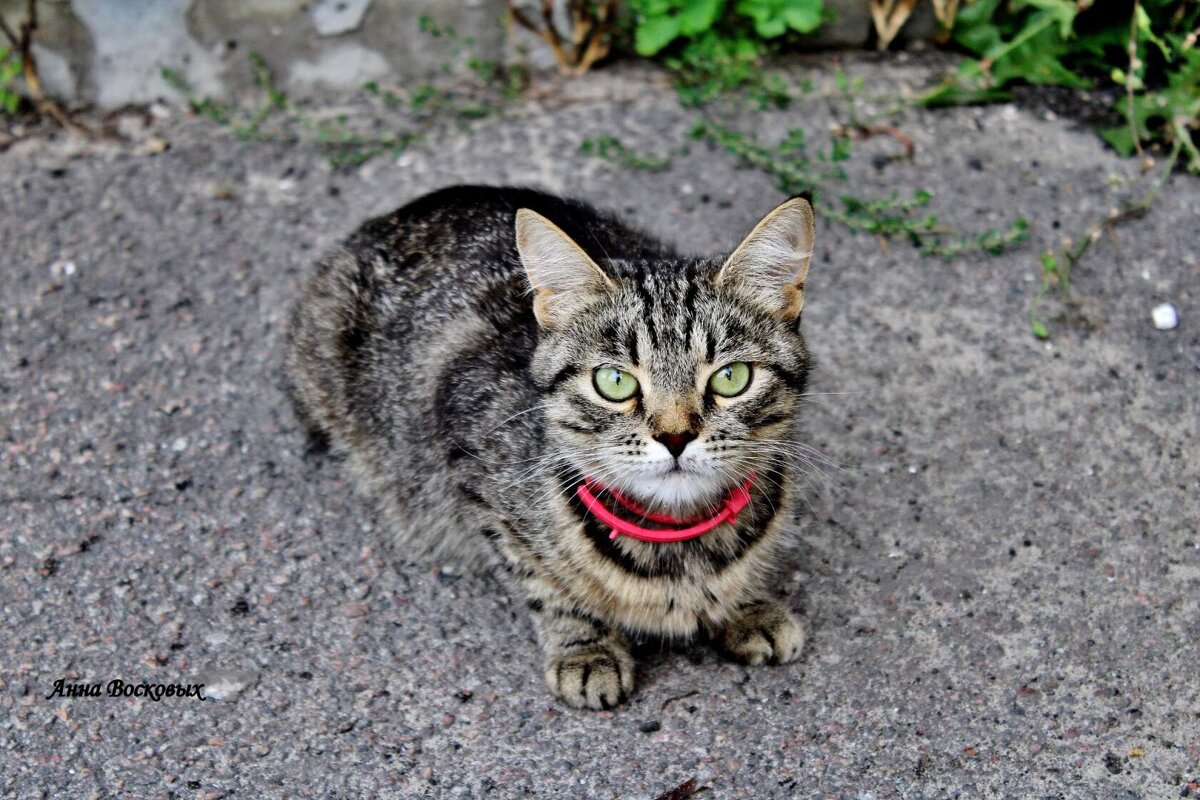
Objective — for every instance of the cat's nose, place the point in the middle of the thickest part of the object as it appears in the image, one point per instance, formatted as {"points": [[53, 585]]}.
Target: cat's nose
{"points": [[675, 442]]}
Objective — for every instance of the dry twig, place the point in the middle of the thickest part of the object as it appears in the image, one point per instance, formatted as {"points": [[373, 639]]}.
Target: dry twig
{"points": [[22, 42], [876, 129], [889, 17], [946, 11], [591, 24]]}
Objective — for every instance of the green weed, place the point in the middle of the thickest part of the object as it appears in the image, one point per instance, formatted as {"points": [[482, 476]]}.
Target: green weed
{"points": [[715, 48], [1057, 265], [659, 23], [1075, 44], [893, 217], [10, 70], [276, 118], [611, 149]]}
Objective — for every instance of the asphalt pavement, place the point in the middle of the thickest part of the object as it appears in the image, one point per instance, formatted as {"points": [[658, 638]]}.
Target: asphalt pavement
{"points": [[1002, 578]]}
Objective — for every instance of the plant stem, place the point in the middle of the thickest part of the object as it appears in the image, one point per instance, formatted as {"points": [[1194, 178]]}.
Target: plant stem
{"points": [[1054, 272], [985, 64], [1131, 74]]}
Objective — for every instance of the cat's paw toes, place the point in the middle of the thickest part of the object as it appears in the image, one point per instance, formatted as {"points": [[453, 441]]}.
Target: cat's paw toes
{"points": [[767, 635], [596, 677]]}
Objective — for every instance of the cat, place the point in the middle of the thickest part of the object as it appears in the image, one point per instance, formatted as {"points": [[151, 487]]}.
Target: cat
{"points": [[503, 366]]}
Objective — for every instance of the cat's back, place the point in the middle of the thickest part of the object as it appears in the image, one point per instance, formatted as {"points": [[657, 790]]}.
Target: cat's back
{"points": [[463, 237], [445, 259]]}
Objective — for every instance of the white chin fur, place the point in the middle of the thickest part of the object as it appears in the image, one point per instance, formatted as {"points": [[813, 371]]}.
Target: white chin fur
{"points": [[678, 491]]}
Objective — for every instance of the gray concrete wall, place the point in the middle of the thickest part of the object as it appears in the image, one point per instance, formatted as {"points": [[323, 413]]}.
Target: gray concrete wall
{"points": [[112, 52]]}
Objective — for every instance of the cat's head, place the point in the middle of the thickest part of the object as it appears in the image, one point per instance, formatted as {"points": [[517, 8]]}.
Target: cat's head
{"points": [[672, 382]]}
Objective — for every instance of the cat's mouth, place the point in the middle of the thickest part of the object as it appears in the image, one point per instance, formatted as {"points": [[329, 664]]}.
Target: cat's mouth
{"points": [[681, 489]]}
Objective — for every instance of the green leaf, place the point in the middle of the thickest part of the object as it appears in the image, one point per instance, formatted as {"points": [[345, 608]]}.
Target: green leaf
{"points": [[753, 8], [1146, 31], [953, 94], [1061, 11], [767, 21], [651, 8], [697, 17], [1120, 139], [973, 27], [803, 16], [1049, 263], [745, 49], [770, 27], [656, 33]]}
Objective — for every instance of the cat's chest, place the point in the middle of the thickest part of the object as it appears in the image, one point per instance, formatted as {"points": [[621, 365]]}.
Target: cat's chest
{"points": [[673, 597]]}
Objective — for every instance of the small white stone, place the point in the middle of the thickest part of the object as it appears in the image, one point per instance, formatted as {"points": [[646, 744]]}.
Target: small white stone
{"points": [[64, 268], [180, 444], [335, 17], [1166, 318], [226, 685]]}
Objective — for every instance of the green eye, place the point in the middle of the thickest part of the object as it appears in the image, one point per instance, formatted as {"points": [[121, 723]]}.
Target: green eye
{"points": [[731, 379], [614, 384]]}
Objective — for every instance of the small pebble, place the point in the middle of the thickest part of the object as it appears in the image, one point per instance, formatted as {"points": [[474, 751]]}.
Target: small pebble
{"points": [[355, 609], [180, 444], [1166, 318], [63, 268], [226, 685], [650, 726]]}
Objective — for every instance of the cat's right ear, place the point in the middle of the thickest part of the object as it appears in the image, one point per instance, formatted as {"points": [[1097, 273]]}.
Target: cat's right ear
{"points": [[770, 265], [564, 279]]}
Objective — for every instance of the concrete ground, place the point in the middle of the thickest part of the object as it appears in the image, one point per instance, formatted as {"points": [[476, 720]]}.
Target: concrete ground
{"points": [[1002, 583]]}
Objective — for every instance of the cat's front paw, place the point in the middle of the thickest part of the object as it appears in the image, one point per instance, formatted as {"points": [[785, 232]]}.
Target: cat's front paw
{"points": [[596, 676], [764, 633]]}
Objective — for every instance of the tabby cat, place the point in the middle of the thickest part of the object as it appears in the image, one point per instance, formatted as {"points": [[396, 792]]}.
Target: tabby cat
{"points": [[614, 419]]}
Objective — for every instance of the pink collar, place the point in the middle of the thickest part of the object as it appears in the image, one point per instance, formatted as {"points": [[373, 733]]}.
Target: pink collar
{"points": [[680, 529]]}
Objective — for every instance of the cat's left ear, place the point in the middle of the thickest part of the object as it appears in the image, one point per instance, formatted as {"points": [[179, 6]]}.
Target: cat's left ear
{"points": [[563, 277], [770, 264]]}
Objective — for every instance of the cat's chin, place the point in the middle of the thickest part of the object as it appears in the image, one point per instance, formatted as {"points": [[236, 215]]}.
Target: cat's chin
{"points": [[680, 492]]}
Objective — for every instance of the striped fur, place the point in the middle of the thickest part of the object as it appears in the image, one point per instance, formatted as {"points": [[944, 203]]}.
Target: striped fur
{"points": [[415, 351]]}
